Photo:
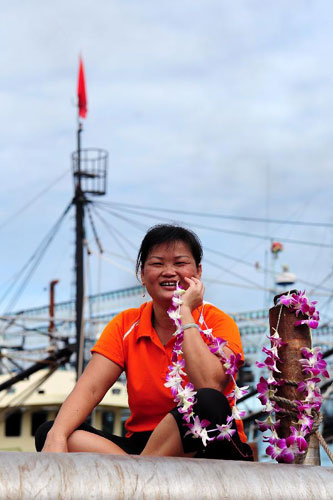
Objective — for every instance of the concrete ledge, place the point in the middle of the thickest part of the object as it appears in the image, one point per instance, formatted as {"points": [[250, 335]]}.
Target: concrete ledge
{"points": [[83, 476]]}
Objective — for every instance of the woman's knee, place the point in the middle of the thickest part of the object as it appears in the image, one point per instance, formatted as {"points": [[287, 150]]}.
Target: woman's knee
{"points": [[41, 434], [85, 441], [212, 405]]}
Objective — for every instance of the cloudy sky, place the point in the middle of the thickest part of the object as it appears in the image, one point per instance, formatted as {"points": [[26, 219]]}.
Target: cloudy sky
{"points": [[204, 106]]}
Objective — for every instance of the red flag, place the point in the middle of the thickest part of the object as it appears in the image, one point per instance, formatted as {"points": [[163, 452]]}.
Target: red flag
{"points": [[81, 92]]}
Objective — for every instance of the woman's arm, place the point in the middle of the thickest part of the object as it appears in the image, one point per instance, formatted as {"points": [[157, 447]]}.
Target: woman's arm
{"points": [[99, 375], [203, 368]]}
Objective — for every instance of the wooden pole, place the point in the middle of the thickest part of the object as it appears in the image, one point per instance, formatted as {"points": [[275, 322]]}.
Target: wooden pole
{"points": [[296, 337]]}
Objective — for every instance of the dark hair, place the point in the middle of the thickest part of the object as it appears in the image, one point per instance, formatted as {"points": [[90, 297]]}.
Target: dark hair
{"points": [[168, 233]]}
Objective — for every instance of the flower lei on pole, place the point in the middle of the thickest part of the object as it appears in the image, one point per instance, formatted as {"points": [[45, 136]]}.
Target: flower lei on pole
{"points": [[184, 395], [307, 410]]}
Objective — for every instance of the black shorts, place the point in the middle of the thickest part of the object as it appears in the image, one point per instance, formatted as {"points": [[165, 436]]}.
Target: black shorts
{"points": [[210, 404]]}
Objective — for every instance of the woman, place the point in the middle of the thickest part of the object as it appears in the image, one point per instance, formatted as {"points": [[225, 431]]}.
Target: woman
{"points": [[140, 342]]}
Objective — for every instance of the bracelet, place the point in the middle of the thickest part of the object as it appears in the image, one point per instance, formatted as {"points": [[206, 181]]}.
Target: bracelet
{"points": [[190, 325]]}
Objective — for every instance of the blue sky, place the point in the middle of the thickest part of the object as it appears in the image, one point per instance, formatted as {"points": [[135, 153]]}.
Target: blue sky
{"points": [[206, 106]]}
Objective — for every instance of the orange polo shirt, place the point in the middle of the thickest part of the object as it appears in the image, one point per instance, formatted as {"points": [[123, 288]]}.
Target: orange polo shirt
{"points": [[131, 341]]}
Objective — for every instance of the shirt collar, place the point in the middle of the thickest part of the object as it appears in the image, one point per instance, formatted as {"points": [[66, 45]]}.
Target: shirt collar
{"points": [[145, 327]]}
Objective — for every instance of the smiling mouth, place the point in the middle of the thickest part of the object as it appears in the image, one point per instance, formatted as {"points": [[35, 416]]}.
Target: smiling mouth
{"points": [[169, 284]]}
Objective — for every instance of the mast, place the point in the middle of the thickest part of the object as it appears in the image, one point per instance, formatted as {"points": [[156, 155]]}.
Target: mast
{"points": [[89, 171], [79, 202]]}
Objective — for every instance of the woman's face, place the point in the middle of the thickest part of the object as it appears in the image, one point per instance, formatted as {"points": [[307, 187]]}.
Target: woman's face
{"points": [[165, 265]]}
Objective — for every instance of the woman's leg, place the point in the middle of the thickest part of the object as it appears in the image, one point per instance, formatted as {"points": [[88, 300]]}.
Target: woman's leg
{"points": [[83, 441], [169, 438], [87, 438], [165, 440]]}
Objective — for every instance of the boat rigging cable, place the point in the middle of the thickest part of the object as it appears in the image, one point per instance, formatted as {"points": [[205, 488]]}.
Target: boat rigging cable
{"points": [[259, 287], [222, 216], [265, 270], [226, 231], [93, 227], [116, 264], [270, 271], [15, 364], [256, 285], [193, 213], [60, 356], [108, 226], [27, 329], [24, 330], [321, 245], [235, 259], [34, 260], [136, 224], [34, 199], [113, 232]]}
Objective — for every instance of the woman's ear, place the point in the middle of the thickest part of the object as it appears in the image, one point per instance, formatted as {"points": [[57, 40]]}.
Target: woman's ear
{"points": [[141, 275], [199, 271]]}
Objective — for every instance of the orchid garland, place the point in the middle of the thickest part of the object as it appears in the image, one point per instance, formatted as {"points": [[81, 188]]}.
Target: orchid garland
{"points": [[184, 395], [300, 303], [313, 365]]}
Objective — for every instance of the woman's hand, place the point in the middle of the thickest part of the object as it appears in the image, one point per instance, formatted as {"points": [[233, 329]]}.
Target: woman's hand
{"points": [[193, 296], [203, 368]]}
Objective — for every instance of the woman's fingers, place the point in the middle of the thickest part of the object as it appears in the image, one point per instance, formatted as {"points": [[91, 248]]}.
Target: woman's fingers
{"points": [[194, 294], [193, 280], [196, 282]]}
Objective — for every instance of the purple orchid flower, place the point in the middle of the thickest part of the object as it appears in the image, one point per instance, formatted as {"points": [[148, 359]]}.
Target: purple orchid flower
{"points": [[225, 430], [198, 430], [174, 314], [301, 304], [174, 383], [237, 414], [312, 323], [177, 367], [264, 390], [232, 364], [313, 364], [278, 450], [217, 346], [309, 385], [269, 363], [272, 352], [305, 421], [298, 438], [239, 392], [285, 300], [187, 412], [276, 340], [268, 424], [186, 396], [197, 425]]}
